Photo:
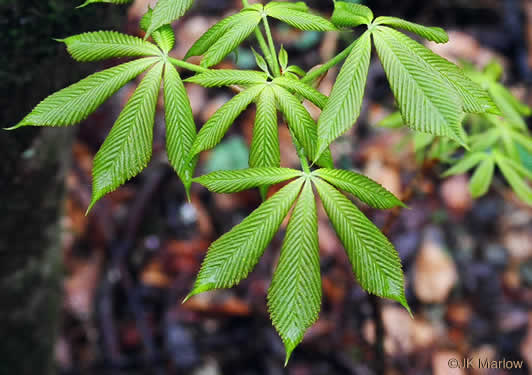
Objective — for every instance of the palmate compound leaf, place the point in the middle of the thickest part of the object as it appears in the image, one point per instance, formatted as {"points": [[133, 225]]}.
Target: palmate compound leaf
{"points": [[345, 102], [180, 126], [351, 15], [294, 297], [427, 100], [301, 124], [265, 149], [300, 88], [365, 189], [228, 77], [100, 45], [435, 34], [235, 254], [166, 11], [214, 129], [127, 149], [75, 103], [225, 182], [298, 18], [374, 260]]}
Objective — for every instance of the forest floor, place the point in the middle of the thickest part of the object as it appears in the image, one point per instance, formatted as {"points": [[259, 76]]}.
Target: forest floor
{"points": [[468, 263]]}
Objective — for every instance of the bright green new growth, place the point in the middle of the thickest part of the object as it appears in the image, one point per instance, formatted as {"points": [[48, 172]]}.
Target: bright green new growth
{"points": [[433, 96]]}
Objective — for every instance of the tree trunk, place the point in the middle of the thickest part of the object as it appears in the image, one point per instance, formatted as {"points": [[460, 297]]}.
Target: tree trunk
{"points": [[32, 174]]}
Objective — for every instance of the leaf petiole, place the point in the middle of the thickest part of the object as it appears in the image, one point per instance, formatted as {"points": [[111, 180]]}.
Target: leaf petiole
{"points": [[273, 53]]}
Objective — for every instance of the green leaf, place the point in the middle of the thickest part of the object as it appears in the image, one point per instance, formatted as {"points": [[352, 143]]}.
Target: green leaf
{"points": [[87, 2], [164, 36], [299, 19], [228, 77], [365, 189], [299, 5], [75, 103], [180, 126], [225, 182], [167, 11], [214, 129], [265, 150], [301, 124], [345, 102], [283, 58], [512, 110], [300, 88], [521, 188], [374, 260], [481, 180], [427, 101], [213, 34], [234, 255], [261, 63], [351, 15], [392, 121], [127, 149], [100, 45], [435, 34], [232, 38], [474, 98], [468, 162], [294, 297]]}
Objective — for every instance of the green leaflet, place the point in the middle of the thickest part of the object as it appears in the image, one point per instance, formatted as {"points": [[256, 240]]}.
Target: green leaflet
{"points": [[306, 91], [100, 45], [435, 34], [481, 180], [512, 110], [351, 15], [365, 189], [283, 58], [127, 149], [294, 297], [231, 38], [427, 101], [234, 255], [301, 124], [466, 164], [164, 36], [213, 34], [261, 62], [224, 182], [228, 77], [265, 150], [298, 18], [167, 11], [474, 98], [75, 103], [299, 5], [345, 102], [180, 126], [214, 129], [374, 260], [87, 2], [521, 188]]}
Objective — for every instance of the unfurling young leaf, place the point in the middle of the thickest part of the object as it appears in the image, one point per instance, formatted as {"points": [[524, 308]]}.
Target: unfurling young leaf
{"points": [[297, 17], [166, 11], [351, 15]]}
